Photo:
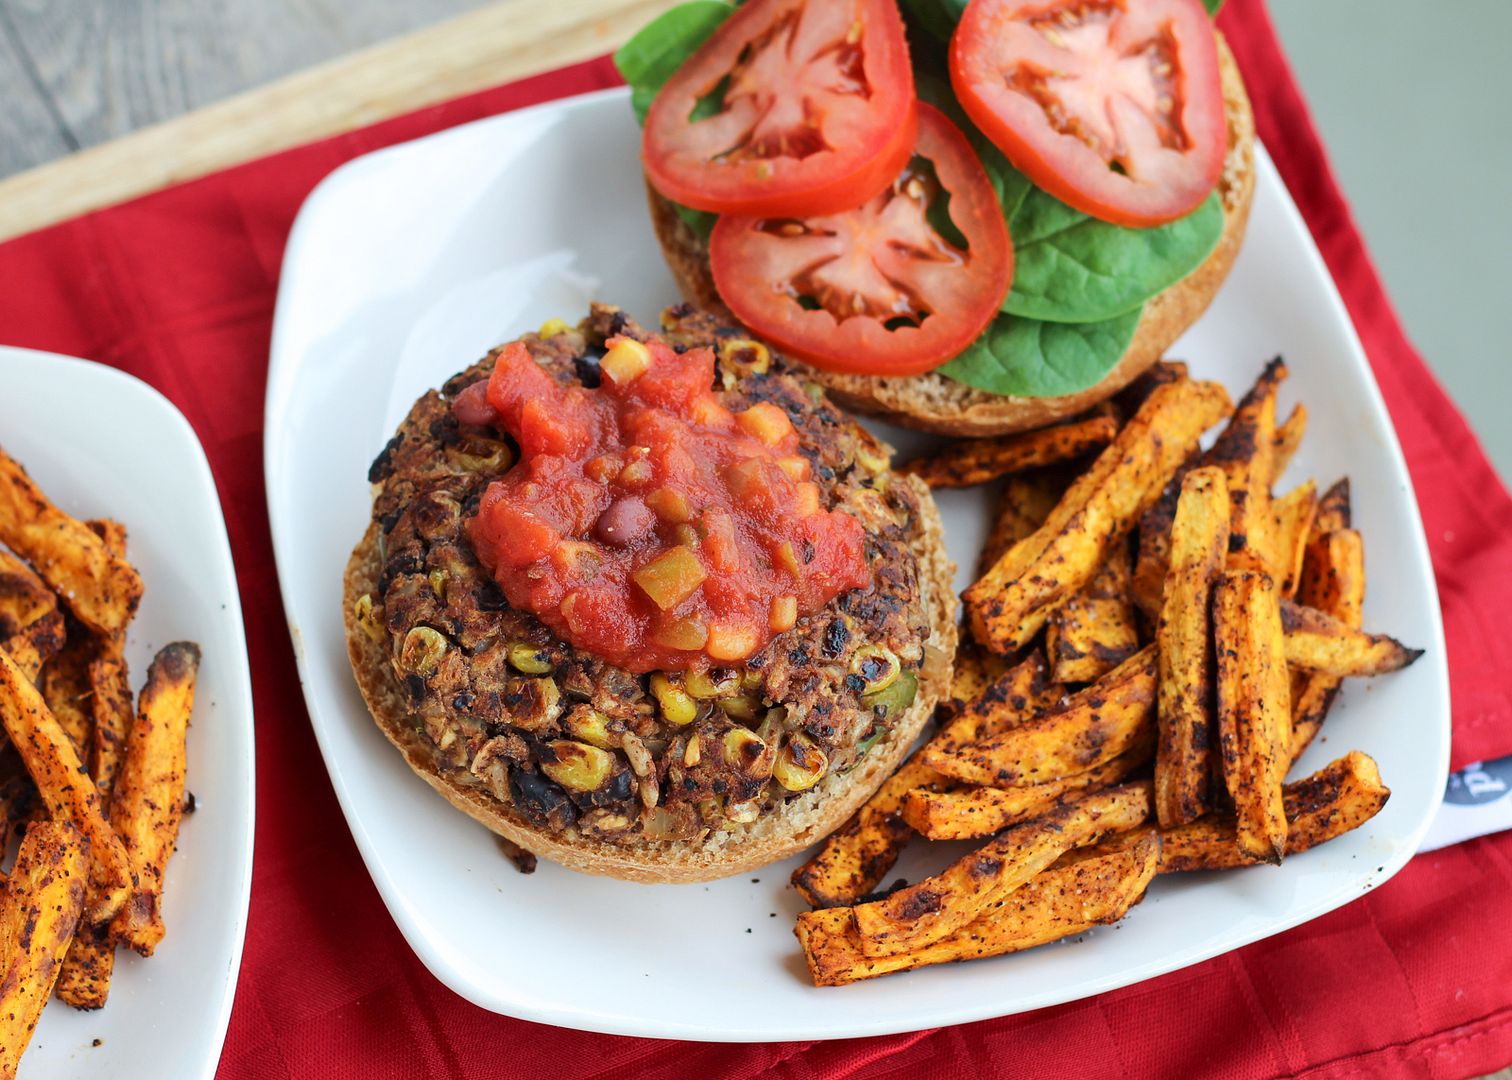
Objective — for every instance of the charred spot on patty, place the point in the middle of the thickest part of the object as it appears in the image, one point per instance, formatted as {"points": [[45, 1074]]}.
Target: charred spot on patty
{"points": [[382, 465], [836, 635], [544, 805]]}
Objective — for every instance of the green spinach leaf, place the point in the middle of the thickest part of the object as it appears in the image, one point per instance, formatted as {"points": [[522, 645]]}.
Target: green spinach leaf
{"points": [[700, 221], [1072, 268], [651, 57], [938, 17], [1031, 358]]}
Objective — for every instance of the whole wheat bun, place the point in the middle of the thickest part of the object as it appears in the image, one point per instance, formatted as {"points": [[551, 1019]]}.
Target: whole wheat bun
{"points": [[932, 402], [803, 821]]}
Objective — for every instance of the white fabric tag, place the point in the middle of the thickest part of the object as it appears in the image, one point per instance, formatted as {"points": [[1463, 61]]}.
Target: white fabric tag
{"points": [[1477, 801]]}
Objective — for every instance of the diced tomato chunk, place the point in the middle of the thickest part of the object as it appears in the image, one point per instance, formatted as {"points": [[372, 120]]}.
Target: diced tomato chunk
{"points": [[516, 379], [515, 534], [546, 429], [675, 380]]}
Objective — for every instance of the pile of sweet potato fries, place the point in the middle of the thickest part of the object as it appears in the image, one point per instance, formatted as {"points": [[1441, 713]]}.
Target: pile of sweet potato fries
{"points": [[92, 787], [1156, 639]]}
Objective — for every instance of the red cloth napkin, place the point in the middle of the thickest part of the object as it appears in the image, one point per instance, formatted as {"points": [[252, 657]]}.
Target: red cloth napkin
{"points": [[1414, 979]]}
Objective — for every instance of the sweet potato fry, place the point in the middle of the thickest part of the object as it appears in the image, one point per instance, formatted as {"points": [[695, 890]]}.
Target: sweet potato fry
{"points": [[1333, 576], [1152, 558], [1313, 696], [87, 968], [18, 797], [110, 683], [969, 812], [853, 860], [938, 906], [1152, 550], [977, 461], [1246, 452], [1288, 438], [1009, 604], [31, 626], [1094, 631], [1294, 513], [84, 981], [67, 691], [1333, 581], [1009, 699], [64, 785], [1319, 642], [101, 589], [35, 645], [1183, 641], [1087, 729], [149, 798], [975, 669], [1334, 511], [1075, 895], [80, 687], [1024, 504], [1131, 397], [24, 597], [1254, 708], [1336, 799], [44, 897], [111, 712], [112, 533]]}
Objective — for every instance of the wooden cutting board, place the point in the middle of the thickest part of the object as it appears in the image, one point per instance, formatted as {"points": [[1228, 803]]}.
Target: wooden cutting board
{"points": [[496, 44]]}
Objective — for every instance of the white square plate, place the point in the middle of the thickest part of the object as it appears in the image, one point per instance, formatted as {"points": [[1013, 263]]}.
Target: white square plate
{"points": [[407, 264], [136, 459]]}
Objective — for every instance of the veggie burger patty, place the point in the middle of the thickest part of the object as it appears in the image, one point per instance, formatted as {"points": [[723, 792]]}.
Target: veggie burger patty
{"points": [[581, 747]]}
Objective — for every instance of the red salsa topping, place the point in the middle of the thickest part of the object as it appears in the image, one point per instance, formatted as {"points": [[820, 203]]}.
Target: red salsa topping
{"points": [[646, 523]]}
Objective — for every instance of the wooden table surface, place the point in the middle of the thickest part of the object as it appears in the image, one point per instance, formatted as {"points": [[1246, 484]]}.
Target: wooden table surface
{"points": [[108, 99], [135, 92], [76, 73]]}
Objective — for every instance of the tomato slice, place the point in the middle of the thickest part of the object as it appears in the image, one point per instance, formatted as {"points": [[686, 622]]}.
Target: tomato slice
{"points": [[813, 110], [1112, 106], [877, 289]]}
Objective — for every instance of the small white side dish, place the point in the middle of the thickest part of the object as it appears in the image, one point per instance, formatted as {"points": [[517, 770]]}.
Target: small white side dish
{"points": [[103, 444]]}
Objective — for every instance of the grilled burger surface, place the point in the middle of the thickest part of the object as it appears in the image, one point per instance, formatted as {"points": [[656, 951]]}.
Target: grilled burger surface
{"points": [[565, 752]]}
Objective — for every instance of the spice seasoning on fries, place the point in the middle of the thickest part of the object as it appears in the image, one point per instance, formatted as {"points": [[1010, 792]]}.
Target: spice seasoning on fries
{"points": [[1076, 893], [1221, 630], [149, 794], [1010, 603], [44, 899], [102, 589], [1184, 649], [66, 790], [977, 461], [106, 778]]}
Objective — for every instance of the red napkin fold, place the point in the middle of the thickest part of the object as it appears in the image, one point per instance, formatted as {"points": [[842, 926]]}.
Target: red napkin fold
{"points": [[1414, 979]]}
